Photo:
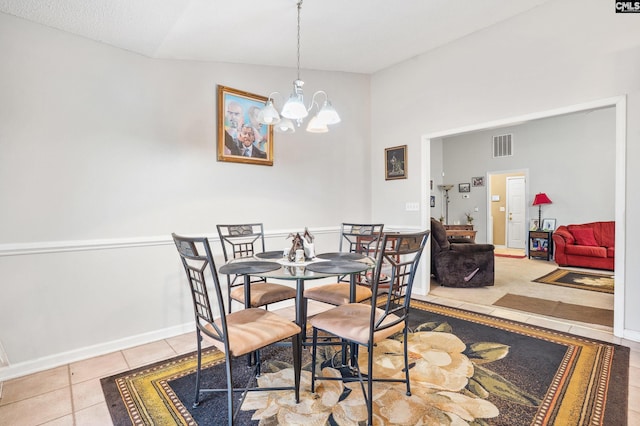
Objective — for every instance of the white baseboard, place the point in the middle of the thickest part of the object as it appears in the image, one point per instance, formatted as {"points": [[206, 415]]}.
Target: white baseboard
{"points": [[631, 335], [12, 371]]}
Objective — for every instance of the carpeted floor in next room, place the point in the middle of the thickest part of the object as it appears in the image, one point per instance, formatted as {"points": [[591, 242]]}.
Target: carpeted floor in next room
{"points": [[515, 276]]}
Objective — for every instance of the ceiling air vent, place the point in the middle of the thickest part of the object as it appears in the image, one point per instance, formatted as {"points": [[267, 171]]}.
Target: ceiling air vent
{"points": [[502, 146]]}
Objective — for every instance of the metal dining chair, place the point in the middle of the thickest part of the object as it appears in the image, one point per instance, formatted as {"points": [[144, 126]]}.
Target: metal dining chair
{"points": [[235, 334], [354, 238], [246, 240], [365, 324]]}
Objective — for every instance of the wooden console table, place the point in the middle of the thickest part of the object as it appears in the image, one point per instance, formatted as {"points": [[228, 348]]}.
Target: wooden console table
{"points": [[465, 231]]}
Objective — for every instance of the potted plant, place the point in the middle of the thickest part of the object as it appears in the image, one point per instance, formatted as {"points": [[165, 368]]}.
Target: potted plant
{"points": [[469, 218]]}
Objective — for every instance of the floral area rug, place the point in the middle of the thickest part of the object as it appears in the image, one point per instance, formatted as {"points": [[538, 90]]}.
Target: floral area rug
{"points": [[579, 279], [465, 368]]}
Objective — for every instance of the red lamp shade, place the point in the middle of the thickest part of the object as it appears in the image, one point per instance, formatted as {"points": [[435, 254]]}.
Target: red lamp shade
{"points": [[541, 198]]}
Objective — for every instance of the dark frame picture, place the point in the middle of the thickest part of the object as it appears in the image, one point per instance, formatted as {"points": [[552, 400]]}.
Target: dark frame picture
{"points": [[464, 187], [395, 162], [477, 181], [241, 139], [433, 201]]}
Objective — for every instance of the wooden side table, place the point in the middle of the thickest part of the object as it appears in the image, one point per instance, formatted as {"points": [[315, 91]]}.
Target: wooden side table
{"points": [[540, 245]]}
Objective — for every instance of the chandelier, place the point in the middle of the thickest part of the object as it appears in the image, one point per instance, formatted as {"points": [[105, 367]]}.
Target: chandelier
{"points": [[295, 109]]}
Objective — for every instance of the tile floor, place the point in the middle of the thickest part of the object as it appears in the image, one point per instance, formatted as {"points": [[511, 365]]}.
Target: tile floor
{"points": [[71, 394]]}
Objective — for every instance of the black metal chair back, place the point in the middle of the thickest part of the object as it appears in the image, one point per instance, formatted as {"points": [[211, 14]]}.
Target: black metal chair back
{"points": [[243, 240], [360, 238], [399, 256], [197, 259]]}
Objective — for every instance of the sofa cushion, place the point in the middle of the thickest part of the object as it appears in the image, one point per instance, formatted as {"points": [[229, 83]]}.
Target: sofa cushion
{"points": [[584, 237], [589, 251], [606, 234]]}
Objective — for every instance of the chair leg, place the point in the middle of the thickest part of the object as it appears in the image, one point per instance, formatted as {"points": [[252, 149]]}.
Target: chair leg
{"points": [[230, 412], [406, 360], [196, 401], [314, 351], [370, 386]]}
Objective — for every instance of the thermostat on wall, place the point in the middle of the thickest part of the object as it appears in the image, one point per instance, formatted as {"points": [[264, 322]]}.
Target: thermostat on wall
{"points": [[495, 198]]}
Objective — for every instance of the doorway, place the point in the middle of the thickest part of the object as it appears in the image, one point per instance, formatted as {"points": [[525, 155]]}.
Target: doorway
{"points": [[506, 209], [619, 103]]}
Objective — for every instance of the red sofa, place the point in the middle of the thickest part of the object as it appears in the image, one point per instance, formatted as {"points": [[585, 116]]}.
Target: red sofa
{"points": [[589, 245]]}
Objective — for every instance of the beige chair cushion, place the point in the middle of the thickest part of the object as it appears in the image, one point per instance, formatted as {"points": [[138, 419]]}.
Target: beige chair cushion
{"points": [[351, 321], [337, 294], [264, 294], [252, 329]]}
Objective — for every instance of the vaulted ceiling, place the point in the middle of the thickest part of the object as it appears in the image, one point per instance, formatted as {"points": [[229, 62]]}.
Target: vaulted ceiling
{"points": [[362, 36]]}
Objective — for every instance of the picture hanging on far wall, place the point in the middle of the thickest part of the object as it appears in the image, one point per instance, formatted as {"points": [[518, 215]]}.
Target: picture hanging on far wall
{"points": [[241, 139], [464, 187], [477, 181], [433, 201], [395, 162]]}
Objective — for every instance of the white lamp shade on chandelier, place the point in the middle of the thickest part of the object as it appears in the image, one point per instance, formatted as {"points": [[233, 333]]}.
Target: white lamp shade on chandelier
{"points": [[295, 109]]}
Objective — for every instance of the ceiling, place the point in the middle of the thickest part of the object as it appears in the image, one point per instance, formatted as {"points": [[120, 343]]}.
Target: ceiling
{"points": [[361, 36]]}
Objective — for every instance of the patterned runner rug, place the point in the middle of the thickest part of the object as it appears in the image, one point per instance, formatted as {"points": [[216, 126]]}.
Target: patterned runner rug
{"points": [[602, 282], [466, 368]]}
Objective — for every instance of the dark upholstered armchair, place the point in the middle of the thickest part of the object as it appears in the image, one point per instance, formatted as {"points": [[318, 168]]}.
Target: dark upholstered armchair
{"points": [[460, 263]]}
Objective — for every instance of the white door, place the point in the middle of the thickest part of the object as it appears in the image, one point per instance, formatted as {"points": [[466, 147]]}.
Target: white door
{"points": [[516, 220]]}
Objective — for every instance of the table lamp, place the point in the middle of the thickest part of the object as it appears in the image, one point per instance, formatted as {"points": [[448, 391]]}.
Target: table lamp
{"points": [[540, 199]]}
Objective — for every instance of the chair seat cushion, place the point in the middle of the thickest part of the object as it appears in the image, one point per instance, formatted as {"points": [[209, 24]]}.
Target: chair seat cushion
{"points": [[351, 322], [337, 293], [252, 329], [264, 294]]}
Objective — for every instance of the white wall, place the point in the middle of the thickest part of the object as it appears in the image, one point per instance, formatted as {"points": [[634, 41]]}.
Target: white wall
{"points": [[563, 53], [552, 149], [104, 153]]}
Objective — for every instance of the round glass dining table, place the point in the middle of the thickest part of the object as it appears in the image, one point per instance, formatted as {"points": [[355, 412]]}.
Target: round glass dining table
{"points": [[273, 265]]}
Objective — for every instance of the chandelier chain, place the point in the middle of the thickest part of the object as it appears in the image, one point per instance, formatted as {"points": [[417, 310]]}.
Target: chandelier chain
{"points": [[299, 7]]}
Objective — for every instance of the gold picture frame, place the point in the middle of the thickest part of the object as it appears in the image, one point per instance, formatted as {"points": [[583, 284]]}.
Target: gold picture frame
{"points": [[395, 162], [241, 139]]}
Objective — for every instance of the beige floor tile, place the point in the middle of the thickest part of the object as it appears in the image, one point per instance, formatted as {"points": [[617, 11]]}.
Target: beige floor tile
{"points": [[511, 315], [634, 358], [549, 323], [183, 343], [634, 377], [635, 346], [149, 353], [86, 394], [37, 410], [95, 368], [95, 415], [35, 384], [634, 418], [605, 336], [61, 421]]}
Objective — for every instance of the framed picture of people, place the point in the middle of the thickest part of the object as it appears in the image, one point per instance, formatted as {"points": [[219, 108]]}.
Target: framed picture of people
{"points": [[395, 162], [241, 139]]}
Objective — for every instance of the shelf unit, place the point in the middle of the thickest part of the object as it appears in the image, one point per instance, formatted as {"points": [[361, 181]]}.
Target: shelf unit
{"points": [[540, 245]]}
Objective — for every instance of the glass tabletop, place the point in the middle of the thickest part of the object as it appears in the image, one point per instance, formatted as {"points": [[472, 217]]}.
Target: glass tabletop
{"points": [[309, 270]]}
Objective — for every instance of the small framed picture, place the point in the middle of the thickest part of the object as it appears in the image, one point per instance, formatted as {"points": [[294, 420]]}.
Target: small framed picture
{"points": [[395, 162], [477, 181], [433, 201], [548, 224], [464, 187], [534, 225]]}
